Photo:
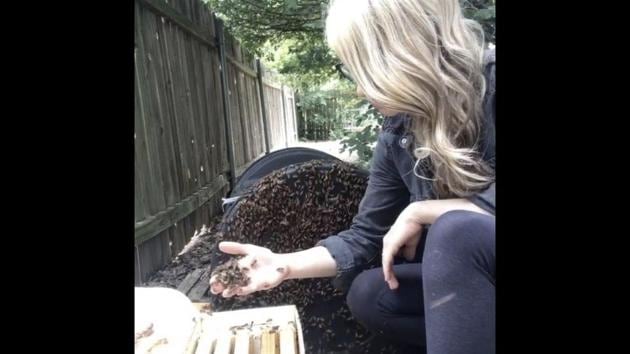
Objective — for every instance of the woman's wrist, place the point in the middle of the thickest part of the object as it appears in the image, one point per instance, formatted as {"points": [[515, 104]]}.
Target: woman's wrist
{"points": [[314, 262], [416, 212]]}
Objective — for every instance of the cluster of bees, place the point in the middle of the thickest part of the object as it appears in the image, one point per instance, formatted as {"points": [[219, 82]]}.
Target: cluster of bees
{"points": [[290, 210]]}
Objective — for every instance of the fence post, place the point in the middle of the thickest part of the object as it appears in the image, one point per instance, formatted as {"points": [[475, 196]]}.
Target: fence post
{"points": [[138, 265], [306, 126], [284, 115], [224, 95], [295, 124], [263, 105]]}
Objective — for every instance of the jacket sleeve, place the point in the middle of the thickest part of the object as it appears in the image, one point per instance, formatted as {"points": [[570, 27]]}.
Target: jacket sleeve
{"points": [[385, 197]]}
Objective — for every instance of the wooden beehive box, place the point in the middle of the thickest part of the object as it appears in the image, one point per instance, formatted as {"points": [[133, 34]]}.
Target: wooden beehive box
{"points": [[266, 330]]}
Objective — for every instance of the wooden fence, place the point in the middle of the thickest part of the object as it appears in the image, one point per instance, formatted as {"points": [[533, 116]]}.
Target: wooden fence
{"points": [[317, 122], [199, 122]]}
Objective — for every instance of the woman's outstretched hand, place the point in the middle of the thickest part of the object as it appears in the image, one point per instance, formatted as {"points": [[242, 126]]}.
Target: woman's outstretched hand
{"points": [[264, 269]]}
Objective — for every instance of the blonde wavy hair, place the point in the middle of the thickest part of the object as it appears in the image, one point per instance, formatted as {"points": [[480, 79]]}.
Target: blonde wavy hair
{"points": [[422, 58]]}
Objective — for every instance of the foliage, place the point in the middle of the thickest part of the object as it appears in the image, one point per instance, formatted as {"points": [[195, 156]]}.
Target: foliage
{"points": [[482, 11], [289, 36], [363, 141]]}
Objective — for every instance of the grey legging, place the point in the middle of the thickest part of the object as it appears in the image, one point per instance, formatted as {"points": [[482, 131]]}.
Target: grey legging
{"points": [[444, 305]]}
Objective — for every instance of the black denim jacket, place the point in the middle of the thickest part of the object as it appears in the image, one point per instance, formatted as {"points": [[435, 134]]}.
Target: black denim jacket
{"points": [[392, 186]]}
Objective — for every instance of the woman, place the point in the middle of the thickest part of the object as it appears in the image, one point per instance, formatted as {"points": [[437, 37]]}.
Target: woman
{"points": [[430, 196]]}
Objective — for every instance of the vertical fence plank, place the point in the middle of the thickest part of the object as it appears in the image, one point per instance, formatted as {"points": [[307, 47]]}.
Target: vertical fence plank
{"points": [[197, 116]]}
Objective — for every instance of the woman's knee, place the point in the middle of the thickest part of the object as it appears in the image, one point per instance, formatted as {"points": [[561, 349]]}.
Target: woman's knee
{"points": [[363, 295], [460, 232]]}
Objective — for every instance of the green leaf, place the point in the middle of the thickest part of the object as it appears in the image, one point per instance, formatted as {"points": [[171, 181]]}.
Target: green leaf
{"points": [[291, 4], [485, 14]]}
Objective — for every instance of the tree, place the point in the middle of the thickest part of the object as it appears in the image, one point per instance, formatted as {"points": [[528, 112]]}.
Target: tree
{"points": [[289, 36], [482, 11], [255, 22], [266, 26], [303, 61]]}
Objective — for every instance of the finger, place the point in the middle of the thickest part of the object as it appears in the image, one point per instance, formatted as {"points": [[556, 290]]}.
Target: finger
{"points": [[246, 290], [235, 247], [229, 292], [389, 251], [387, 262], [393, 283], [410, 248], [388, 270], [215, 286]]}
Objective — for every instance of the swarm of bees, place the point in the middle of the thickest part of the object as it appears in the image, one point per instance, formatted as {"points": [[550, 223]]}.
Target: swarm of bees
{"points": [[290, 210], [230, 274]]}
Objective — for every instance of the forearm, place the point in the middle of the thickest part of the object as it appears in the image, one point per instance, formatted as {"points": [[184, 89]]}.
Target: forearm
{"points": [[314, 262], [427, 211]]}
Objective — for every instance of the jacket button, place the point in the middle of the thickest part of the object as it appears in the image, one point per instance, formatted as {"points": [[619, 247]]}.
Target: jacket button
{"points": [[403, 142]]}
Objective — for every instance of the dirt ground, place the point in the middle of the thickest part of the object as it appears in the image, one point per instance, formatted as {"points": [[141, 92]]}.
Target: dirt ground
{"points": [[196, 255]]}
